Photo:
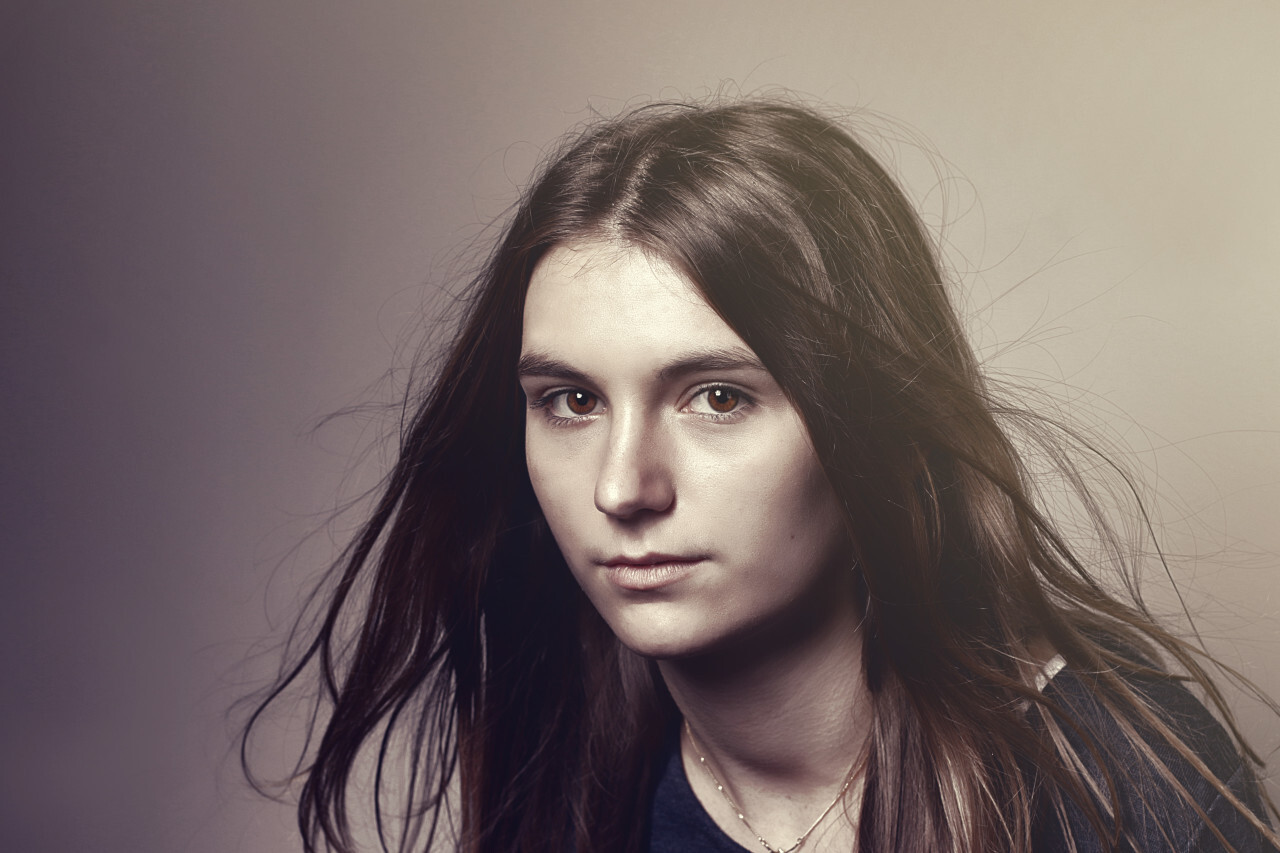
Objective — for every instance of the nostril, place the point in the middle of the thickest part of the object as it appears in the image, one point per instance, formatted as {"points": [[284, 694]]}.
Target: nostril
{"points": [[633, 479]]}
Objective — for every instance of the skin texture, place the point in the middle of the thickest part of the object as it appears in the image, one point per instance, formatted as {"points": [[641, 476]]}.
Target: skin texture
{"points": [[682, 488], [635, 457]]}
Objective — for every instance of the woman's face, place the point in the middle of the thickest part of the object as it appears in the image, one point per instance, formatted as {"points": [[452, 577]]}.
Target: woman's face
{"points": [[678, 479]]}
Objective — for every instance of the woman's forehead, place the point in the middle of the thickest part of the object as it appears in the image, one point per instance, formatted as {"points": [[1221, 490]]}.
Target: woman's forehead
{"points": [[606, 299], [620, 267], [615, 311]]}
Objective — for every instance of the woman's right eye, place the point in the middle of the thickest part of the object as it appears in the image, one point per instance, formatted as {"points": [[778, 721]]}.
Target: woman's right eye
{"points": [[570, 404]]}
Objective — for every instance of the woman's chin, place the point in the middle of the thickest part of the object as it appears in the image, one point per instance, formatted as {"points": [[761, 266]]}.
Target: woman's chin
{"points": [[660, 648], [653, 634]]}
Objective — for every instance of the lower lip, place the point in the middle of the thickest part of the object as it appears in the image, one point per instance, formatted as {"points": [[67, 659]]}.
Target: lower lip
{"points": [[650, 576]]}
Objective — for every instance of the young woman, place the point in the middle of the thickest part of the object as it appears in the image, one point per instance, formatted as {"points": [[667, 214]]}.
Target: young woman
{"points": [[709, 536]]}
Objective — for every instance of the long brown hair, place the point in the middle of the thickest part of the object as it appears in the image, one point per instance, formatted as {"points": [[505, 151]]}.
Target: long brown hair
{"points": [[478, 666]]}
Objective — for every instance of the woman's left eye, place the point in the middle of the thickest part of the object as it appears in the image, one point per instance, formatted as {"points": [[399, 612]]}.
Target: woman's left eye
{"points": [[718, 401]]}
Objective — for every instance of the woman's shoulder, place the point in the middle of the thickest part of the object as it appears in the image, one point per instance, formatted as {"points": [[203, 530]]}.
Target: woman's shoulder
{"points": [[1158, 817], [1156, 813]]}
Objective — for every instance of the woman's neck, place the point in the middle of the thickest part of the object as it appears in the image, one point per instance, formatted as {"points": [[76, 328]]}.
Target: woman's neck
{"points": [[780, 721]]}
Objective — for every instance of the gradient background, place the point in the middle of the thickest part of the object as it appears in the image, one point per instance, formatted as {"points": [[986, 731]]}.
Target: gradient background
{"points": [[220, 222]]}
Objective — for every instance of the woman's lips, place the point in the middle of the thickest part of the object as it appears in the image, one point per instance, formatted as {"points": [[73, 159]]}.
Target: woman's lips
{"points": [[649, 571]]}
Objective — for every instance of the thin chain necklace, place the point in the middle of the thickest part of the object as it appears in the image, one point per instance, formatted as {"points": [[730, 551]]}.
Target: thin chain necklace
{"points": [[742, 817]]}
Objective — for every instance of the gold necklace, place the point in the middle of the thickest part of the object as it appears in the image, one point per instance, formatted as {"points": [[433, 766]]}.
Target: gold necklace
{"points": [[742, 817]]}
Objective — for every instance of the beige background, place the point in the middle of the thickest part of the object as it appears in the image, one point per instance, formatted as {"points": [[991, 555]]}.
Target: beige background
{"points": [[220, 221]]}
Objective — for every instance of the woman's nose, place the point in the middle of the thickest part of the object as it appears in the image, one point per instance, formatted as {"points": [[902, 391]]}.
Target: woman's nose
{"points": [[635, 474]]}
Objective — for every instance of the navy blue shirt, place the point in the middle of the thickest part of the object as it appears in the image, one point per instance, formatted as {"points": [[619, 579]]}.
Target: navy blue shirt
{"points": [[1161, 824]]}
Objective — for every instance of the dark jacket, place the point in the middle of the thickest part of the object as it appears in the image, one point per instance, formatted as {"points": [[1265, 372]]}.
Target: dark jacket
{"points": [[1157, 818]]}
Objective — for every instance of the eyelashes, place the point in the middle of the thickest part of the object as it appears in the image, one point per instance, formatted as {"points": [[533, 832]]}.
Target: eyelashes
{"points": [[715, 402], [722, 399], [555, 406]]}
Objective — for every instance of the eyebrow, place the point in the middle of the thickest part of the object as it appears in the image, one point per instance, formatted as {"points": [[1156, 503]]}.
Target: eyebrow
{"points": [[699, 361]]}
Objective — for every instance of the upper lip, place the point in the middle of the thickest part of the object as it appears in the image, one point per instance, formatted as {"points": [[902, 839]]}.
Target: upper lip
{"points": [[652, 558]]}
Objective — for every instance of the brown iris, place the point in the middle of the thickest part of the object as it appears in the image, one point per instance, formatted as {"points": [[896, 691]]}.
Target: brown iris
{"points": [[722, 400], [580, 402]]}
